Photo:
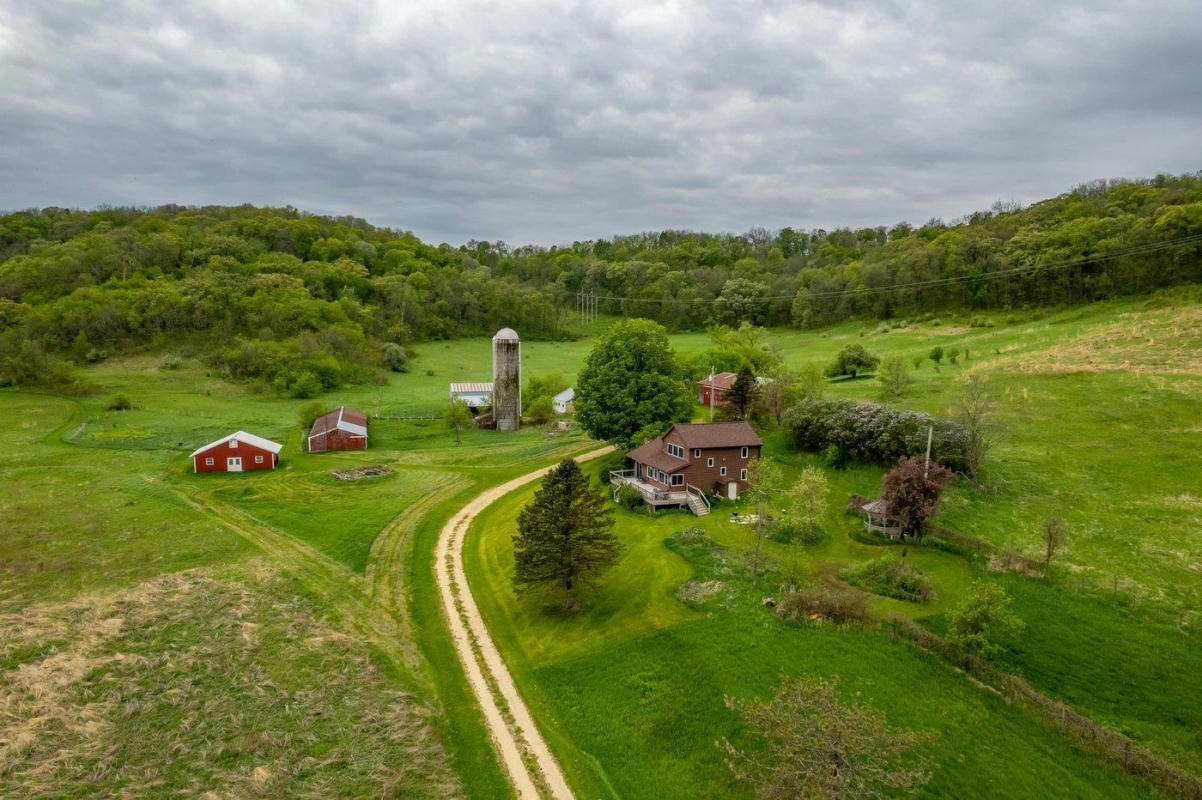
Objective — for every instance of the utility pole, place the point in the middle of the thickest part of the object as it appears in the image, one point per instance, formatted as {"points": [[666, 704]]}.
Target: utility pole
{"points": [[711, 392], [926, 468]]}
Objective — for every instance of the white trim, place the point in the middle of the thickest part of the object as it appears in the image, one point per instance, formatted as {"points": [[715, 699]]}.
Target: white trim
{"points": [[709, 462], [743, 474], [743, 453], [722, 472]]}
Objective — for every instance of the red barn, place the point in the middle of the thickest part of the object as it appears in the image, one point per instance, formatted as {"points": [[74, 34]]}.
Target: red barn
{"points": [[342, 429], [715, 385], [238, 452]]}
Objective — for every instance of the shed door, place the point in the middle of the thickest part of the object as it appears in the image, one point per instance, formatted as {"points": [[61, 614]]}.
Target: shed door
{"points": [[233, 464], [732, 490]]}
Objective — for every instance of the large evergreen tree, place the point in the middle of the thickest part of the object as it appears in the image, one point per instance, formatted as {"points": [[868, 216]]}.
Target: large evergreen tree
{"points": [[743, 392], [630, 382], [565, 535]]}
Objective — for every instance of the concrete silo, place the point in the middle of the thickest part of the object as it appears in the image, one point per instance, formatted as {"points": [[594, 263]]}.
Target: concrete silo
{"points": [[507, 379]]}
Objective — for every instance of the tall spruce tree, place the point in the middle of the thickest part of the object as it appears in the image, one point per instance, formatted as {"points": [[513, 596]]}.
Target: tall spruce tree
{"points": [[743, 392], [565, 535]]}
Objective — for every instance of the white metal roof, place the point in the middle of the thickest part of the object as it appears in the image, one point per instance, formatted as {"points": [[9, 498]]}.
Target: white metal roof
{"points": [[506, 334], [566, 395], [471, 388], [245, 438]]}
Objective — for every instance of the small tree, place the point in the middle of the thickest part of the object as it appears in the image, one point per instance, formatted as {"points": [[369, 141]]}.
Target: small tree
{"points": [[894, 377], [764, 479], [818, 747], [541, 410], [984, 622], [853, 360], [743, 392], [779, 390], [811, 384], [458, 418], [974, 410], [395, 358], [1054, 538], [936, 354], [565, 535], [309, 412], [911, 492], [806, 498]]}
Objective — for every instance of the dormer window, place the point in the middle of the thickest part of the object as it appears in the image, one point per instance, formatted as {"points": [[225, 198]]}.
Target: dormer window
{"points": [[676, 450]]}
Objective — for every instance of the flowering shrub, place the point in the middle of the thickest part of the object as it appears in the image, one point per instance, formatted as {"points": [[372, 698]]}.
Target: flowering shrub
{"points": [[848, 431]]}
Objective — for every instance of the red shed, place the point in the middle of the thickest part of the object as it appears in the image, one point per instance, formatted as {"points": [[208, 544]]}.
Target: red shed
{"points": [[715, 385], [238, 452], [342, 429]]}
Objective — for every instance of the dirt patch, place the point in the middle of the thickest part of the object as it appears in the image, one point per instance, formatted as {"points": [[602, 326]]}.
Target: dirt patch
{"points": [[203, 685], [693, 593], [362, 472], [1165, 341]]}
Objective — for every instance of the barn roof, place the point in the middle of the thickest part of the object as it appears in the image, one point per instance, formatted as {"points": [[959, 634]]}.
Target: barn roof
{"points": [[342, 418], [244, 438], [716, 434], [566, 395], [506, 335], [723, 380], [471, 388]]}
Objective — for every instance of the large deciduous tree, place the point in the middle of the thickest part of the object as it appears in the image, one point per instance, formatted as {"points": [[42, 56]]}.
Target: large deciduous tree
{"points": [[975, 411], [565, 535], [630, 381], [852, 360], [815, 746], [911, 492]]}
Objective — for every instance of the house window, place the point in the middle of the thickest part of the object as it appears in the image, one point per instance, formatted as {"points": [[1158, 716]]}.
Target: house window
{"points": [[742, 474], [208, 462], [722, 471], [233, 444], [676, 450], [258, 459], [743, 453], [709, 462], [697, 453], [678, 480]]}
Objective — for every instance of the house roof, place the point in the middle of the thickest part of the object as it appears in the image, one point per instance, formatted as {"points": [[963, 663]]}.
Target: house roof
{"points": [[716, 434], [245, 438], [471, 388], [723, 380], [652, 454], [342, 418], [566, 395]]}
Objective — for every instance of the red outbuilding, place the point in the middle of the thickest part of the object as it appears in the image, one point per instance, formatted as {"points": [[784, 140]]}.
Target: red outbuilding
{"points": [[342, 429], [238, 452], [715, 385]]}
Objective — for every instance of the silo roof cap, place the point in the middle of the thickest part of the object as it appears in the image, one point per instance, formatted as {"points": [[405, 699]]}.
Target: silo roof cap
{"points": [[506, 334]]}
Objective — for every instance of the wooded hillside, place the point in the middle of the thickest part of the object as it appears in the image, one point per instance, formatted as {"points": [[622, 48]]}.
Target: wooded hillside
{"points": [[304, 303]]}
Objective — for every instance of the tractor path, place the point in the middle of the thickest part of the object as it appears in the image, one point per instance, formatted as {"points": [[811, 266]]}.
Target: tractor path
{"points": [[522, 749]]}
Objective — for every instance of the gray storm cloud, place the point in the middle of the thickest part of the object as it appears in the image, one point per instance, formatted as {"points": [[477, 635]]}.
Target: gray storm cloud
{"points": [[547, 122]]}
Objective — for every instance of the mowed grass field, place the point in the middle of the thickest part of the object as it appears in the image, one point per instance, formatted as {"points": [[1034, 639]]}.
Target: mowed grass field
{"points": [[180, 634], [1100, 415], [172, 634]]}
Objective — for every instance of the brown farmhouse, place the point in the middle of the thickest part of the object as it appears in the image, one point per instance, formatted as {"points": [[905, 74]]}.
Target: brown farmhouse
{"points": [[712, 458]]}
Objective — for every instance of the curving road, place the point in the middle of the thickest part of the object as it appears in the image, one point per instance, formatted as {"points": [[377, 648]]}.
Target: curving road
{"points": [[531, 767]]}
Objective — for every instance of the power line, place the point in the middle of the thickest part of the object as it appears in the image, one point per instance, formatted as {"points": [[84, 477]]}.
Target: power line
{"points": [[1137, 250]]}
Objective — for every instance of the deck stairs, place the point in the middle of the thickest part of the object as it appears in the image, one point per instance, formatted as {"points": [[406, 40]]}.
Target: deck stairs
{"points": [[698, 505]]}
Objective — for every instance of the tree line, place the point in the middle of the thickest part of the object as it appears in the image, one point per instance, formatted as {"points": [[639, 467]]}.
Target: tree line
{"points": [[298, 300]]}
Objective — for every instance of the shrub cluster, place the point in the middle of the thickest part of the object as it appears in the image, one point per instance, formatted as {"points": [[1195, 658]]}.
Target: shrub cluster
{"points": [[839, 604], [847, 431], [891, 577]]}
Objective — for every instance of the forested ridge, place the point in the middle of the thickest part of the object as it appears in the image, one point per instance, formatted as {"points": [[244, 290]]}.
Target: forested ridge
{"points": [[304, 302]]}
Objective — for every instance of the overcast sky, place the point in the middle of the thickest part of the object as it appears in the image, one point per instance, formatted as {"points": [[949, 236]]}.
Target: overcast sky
{"points": [[547, 122]]}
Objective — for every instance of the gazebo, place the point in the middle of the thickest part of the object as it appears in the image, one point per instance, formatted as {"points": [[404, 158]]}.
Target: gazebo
{"points": [[877, 519]]}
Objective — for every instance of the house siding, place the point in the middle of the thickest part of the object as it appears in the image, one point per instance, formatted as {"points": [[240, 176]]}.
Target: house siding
{"points": [[220, 453], [695, 471], [337, 440]]}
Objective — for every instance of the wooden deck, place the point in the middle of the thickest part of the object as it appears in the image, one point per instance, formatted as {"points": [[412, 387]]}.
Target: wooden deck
{"points": [[691, 497]]}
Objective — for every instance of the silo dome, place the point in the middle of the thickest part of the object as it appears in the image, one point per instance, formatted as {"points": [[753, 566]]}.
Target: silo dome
{"points": [[506, 335]]}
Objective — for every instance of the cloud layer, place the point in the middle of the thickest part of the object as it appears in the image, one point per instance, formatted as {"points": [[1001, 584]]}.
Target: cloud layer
{"points": [[552, 121]]}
